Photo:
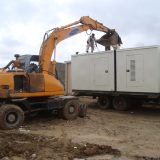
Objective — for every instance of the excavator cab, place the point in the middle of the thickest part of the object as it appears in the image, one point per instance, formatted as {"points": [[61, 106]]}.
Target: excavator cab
{"points": [[25, 61], [24, 76], [29, 63], [25, 79]]}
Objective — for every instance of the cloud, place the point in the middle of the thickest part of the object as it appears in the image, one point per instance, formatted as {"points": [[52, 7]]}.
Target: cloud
{"points": [[127, 16], [23, 23]]}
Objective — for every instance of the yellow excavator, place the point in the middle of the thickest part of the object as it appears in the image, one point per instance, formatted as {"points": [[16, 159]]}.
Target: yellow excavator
{"points": [[31, 90]]}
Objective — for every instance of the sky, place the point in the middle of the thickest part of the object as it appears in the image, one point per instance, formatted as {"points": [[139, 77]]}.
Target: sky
{"points": [[24, 22]]}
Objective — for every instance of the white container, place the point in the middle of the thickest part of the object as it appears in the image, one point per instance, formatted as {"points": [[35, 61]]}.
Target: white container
{"points": [[93, 71], [138, 70]]}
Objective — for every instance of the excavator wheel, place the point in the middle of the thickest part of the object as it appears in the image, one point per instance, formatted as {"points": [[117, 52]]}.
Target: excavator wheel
{"points": [[70, 110], [11, 116], [82, 110]]}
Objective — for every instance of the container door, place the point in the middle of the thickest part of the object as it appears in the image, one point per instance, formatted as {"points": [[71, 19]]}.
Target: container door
{"points": [[101, 71], [134, 70]]}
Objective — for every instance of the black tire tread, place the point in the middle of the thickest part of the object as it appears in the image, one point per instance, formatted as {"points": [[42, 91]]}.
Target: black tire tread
{"points": [[107, 105], [124, 107], [3, 109], [67, 115]]}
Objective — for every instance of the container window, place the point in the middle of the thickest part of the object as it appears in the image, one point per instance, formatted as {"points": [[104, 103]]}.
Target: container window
{"points": [[133, 70]]}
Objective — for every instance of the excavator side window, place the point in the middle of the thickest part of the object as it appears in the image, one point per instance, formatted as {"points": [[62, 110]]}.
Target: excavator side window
{"points": [[20, 83]]}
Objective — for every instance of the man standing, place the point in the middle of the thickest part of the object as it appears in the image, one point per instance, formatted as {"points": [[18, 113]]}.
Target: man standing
{"points": [[91, 42]]}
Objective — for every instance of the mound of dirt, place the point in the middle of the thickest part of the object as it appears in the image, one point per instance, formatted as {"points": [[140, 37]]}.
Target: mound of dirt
{"points": [[26, 145], [146, 158], [94, 149]]}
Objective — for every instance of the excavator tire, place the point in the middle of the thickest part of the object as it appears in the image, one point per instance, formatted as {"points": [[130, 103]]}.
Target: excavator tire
{"points": [[70, 110], [82, 110], [11, 116]]}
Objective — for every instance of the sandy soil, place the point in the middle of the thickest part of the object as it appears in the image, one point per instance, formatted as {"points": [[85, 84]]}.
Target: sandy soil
{"points": [[102, 135]]}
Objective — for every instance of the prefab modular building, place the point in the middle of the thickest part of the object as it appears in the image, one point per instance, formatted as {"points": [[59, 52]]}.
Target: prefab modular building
{"points": [[93, 72], [119, 76]]}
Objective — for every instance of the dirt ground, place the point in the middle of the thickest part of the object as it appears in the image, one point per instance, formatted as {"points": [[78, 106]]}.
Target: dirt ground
{"points": [[102, 135]]}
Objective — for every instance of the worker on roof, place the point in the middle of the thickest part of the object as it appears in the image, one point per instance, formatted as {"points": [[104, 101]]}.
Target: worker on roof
{"points": [[91, 42]]}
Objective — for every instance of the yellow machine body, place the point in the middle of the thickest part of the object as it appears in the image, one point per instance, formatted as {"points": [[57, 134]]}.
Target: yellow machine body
{"points": [[22, 84]]}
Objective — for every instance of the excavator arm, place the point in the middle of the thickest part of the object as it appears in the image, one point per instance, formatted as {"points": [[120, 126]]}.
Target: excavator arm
{"points": [[58, 34]]}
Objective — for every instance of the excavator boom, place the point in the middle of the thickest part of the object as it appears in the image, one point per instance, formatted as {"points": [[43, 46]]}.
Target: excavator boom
{"points": [[58, 34]]}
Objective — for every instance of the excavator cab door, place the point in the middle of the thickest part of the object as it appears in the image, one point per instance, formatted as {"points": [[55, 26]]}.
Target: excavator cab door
{"points": [[30, 82], [36, 82]]}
